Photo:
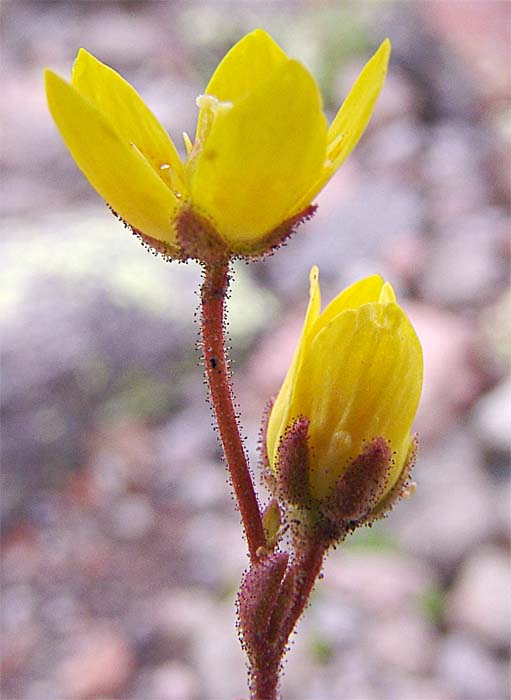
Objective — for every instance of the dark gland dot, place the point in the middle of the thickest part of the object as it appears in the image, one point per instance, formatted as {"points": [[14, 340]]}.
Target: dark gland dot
{"points": [[213, 362]]}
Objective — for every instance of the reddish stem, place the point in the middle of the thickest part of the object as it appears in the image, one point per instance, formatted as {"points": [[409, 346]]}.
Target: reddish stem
{"points": [[305, 568], [301, 575], [213, 293]]}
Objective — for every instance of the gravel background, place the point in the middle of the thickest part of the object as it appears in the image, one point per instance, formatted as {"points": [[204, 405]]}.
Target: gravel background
{"points": [[121, 547]]}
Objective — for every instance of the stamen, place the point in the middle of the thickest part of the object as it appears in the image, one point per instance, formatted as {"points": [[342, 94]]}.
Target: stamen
{"points": [[188, 143], [212, 103]]}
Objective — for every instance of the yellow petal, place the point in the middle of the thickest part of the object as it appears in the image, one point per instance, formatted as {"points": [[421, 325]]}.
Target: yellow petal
{"points": [[362, 292], [279, 413], [361, 378], [387, 294], [352, 119], [261, 155], [116, 170], [127, 113], [248, 63], [355, 113]]}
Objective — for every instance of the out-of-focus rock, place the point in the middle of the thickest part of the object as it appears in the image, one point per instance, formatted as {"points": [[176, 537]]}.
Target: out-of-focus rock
{"points": [[205, 487], [471, 672], [20, 555], [403, 641], [449, 513], [455, 155], [377, 581], [179, 612], [132, 517], [217, 655], [400, 97], [100, 666], [344, 239], [405, 258], [479, 601], [268, 364], [492, 417], [481, 37], [180, 439], [219, 549], [395, 149], [496, 329], [502, 510], [452, 378], [18, 645], [18, 607], [95, 338], [173, 680], [121, 458], [465, 261]]}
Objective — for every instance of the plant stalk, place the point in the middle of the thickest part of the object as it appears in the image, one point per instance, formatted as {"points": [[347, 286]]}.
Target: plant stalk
{"points": [[213, 295]]}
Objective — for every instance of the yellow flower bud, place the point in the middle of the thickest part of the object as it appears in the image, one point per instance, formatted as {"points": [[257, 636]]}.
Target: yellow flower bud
{"points": [[262, 149], [355, 383]]}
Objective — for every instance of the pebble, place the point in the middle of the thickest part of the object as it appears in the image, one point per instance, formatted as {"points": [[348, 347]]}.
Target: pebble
{"points": [[475, 242], [132, 517], [472, 673], [399, 98], [217, 656], [452, 378], [219, 549], [173, 680], [455, 154], [447, 518], [396, 149], [178, 612], [479, 601], [377, 581], [403, 641], [491, 417], [100, 665]]}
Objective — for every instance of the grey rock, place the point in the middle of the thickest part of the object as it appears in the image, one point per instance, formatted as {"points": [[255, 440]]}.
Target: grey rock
{"points": [[377, 581], [348, 227], [132, 517], [452, 379], [492, 417], [395, 149], [465, 262], [173, 680], [471, 672], [454, 170], [448, 516], [479, 601], [219, 549], [403, 641], [100, 665]]}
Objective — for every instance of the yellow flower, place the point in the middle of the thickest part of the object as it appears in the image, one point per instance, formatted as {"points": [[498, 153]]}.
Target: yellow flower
{"points": [[262, 148], [356, 376]]}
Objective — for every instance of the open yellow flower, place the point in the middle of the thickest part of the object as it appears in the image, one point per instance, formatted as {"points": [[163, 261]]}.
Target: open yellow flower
{"points": [[356, 377], [262, 148]]}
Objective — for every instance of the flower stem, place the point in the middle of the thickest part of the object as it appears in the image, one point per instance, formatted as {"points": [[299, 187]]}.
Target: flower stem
{"points": [[299, 581], [213, 294], [305, 568]]}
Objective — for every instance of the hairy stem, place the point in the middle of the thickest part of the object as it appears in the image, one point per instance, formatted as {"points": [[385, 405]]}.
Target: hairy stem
{"points": [[296, 589], [213, 294], [305, 569]]}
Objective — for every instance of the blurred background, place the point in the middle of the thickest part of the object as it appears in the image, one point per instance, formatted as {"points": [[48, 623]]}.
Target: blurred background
{"points": [[121, 546]]}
